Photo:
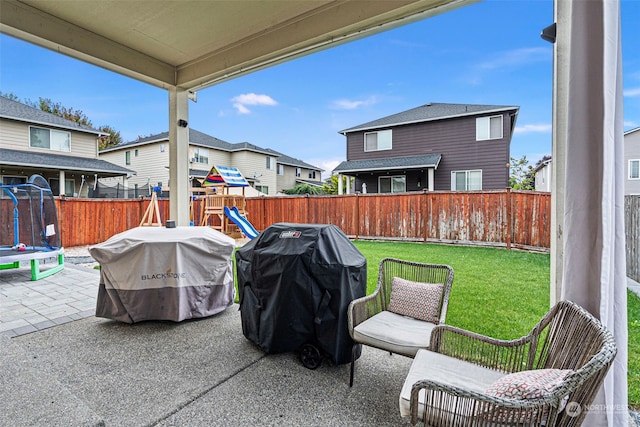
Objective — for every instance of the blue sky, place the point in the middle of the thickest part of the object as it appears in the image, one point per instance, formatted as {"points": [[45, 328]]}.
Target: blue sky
{"points": [[486, 53]]}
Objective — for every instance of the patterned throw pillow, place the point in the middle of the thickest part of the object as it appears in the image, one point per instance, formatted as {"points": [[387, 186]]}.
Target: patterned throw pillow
{"points": [[415, 299], [526, 385]]}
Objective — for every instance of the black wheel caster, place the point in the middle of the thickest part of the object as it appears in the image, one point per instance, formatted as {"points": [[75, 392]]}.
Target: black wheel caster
{"points": [[310, 356]]}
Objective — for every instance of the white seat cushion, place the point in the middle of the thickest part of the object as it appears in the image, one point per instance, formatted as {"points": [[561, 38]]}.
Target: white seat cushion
{"points": [[395, 333], [428, 365]]}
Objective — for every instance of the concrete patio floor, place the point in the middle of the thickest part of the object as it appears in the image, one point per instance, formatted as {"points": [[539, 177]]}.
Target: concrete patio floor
{"points": [[73, 369]]}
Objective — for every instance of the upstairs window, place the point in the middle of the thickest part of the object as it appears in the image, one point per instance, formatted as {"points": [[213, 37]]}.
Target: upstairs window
{"points": [[49, 139], [488, 128], [201, 155], [298, 172], [312, 174], [377, 141], [127, 157], [466, 180], [271, 164], [280, 169], [634, 169]]}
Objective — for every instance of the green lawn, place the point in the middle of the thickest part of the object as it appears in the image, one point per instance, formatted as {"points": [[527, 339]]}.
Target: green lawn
{"points": [[496, 292]]}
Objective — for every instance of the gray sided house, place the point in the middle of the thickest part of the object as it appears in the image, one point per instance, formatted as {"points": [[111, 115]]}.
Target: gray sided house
{"points": [[632, 161], [64, 152], [457, 147]]}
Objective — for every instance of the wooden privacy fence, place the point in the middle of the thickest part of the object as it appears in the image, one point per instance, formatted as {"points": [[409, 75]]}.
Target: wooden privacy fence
{"points": [[496, 218], [632, 234]]}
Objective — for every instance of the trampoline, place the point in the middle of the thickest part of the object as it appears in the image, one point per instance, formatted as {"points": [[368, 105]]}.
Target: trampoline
{"points": [[29, 227]]}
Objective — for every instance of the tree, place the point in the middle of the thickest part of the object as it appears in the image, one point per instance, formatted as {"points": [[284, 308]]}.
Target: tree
{"points": [[330, 185], [521, 174], [12, 96], [114, 138]]}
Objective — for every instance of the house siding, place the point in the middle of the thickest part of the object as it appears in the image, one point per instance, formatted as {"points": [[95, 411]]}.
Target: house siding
{"points": [[631, 152], [15, 136], [454, 138], [251, 163], [145, 164]]}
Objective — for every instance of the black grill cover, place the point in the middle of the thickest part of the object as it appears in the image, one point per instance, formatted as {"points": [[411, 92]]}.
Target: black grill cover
{"points": [[295, 283]]}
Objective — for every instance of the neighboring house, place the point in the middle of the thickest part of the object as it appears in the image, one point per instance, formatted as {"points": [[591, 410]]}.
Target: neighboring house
{"points": [[632, 161], [433, 147], [631, 166], [291, 172], [64, 152], [149, 157], [543, 176]]}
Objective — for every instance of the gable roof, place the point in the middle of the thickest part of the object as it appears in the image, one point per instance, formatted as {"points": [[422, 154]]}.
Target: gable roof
{"points": [[203, 140], [14, 110], [58, 161], [393, 163], [430, 112]]}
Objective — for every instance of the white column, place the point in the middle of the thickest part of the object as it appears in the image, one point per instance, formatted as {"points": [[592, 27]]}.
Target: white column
{"points": [[178, 156], [348, 185], [61, 178], [560, 102], [430, 178], [339, 184]]}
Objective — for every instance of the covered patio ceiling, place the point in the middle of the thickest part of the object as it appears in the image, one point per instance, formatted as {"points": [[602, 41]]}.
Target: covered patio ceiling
{"points": [[193, 44]]}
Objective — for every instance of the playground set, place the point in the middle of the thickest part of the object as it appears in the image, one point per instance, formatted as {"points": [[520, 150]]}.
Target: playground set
{"points": [[29, 227], [219, 208]]}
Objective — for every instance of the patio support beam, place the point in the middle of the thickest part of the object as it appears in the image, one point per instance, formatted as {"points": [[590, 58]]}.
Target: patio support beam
{"points": [[179, 156], [559, 144]]}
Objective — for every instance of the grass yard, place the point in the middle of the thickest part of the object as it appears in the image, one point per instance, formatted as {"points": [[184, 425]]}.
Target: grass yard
{"points": [[496, 292]]}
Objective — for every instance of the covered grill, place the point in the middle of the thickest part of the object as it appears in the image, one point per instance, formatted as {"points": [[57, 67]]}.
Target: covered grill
{"points": [[295, 283]]}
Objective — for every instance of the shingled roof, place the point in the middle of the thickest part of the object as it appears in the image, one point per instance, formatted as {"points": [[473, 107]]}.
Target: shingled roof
{"points": [[429, 112], [393, 163], [15, 110]]}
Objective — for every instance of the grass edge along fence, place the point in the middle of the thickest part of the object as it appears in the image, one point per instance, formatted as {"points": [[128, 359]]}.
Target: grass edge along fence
{"points": [[505, 218]]}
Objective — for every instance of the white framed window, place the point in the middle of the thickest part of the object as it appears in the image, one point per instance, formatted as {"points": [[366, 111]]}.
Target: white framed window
{"points": [[634, 169], [49, 139], [466, 180], [201, 155], [127, 157], [271, 163], [162, 148], [263, 188], [392, 184], [298, 172], [312, 174], [488, 128], [135, 153], [280, 169], [377, 141]]}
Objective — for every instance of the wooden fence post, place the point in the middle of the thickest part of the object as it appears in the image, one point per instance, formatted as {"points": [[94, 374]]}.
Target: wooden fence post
{"points": [[510, 219]]}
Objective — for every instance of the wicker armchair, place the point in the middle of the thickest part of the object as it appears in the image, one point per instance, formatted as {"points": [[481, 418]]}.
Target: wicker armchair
{"points": [[371, 323], [447, 384]]}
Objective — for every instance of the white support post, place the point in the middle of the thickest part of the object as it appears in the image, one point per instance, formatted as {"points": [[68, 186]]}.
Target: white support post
{"points": [[178, 156]]}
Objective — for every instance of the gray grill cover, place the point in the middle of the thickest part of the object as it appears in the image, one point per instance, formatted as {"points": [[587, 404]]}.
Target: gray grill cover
{"points": [[295, 283], [158, 273]]}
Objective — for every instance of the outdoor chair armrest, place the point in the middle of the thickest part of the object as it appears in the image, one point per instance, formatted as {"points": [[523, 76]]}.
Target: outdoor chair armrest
{"points": [[362, 308], [503, 355], [438, 402]]}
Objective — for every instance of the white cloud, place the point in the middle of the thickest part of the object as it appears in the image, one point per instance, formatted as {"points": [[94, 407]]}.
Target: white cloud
{"points": [[240, 102], [631, 93], [347, 104], [518, 57], [542, 128]]}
